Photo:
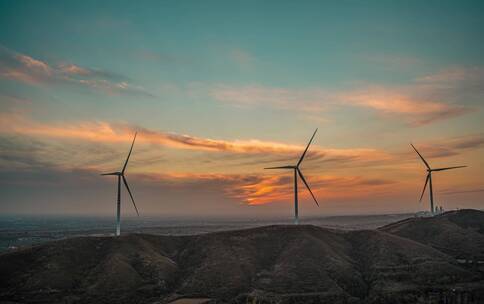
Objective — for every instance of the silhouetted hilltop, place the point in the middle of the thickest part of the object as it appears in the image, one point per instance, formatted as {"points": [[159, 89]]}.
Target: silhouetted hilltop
{"points": [[271, 264], [457, 233], [467, 218]]}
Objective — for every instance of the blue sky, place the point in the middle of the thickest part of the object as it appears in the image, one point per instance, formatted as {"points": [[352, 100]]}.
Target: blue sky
{"points": [[373, 76]]}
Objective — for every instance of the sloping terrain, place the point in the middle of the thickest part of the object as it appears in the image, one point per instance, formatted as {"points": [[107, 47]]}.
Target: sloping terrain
{"points": [[272, 264], [457, 233], [103, 268]]}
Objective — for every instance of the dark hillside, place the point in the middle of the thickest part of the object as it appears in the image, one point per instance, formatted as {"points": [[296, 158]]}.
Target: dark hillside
{"points": [[457, 233], [272, 264]]}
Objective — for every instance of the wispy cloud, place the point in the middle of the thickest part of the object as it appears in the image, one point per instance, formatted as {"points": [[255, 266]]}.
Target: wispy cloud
{"points": [[451, 192], [23, 160], [243, 153], [428, 99], [474, 141], [456, 76], [256, 189], [453, 145], [26, 69], [32, 146], [390, 101], [19, 123]]}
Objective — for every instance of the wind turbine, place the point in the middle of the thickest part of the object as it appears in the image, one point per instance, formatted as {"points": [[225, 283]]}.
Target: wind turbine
{"points": [[297, 172], [428, 180], [121, 176]]}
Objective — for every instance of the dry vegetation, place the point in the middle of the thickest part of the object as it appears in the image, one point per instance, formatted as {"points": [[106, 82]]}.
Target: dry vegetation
{"points": [[412, 261]]}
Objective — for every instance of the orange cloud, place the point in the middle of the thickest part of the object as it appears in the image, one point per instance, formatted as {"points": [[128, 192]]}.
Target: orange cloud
{"points": [[258, 189], [26, 69], [251, 188], [73, 69], [391, 101], [424, 101], [455, 76], [106, 132], [34, 64], [280, 188]]}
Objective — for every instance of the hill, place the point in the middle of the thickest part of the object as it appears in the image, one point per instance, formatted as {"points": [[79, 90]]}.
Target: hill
{"points": [[457, 233], [271, 264]]}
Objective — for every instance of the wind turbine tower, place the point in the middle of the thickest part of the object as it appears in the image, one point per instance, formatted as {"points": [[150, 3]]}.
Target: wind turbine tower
{"points": [[428, 179], [297, 172], [120, 175]]}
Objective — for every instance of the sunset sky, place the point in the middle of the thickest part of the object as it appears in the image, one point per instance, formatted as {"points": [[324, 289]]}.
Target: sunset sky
{"points": [[218, 90]]}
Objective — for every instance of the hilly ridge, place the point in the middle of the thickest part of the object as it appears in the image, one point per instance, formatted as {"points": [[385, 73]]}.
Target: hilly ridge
{"points": [[457, 233], [271, 264]]}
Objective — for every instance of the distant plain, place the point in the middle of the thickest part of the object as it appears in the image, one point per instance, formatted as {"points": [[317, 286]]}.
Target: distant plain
{"points": [[21, 230]]}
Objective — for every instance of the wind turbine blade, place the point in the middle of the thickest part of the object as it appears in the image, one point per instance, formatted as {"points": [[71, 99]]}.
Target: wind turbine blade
{"points": [[129, 154], [421, 157], [425, 186], [307, 186], [130, 195], [448, 168], [112, 173], [283, 167], [307, 147]]}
